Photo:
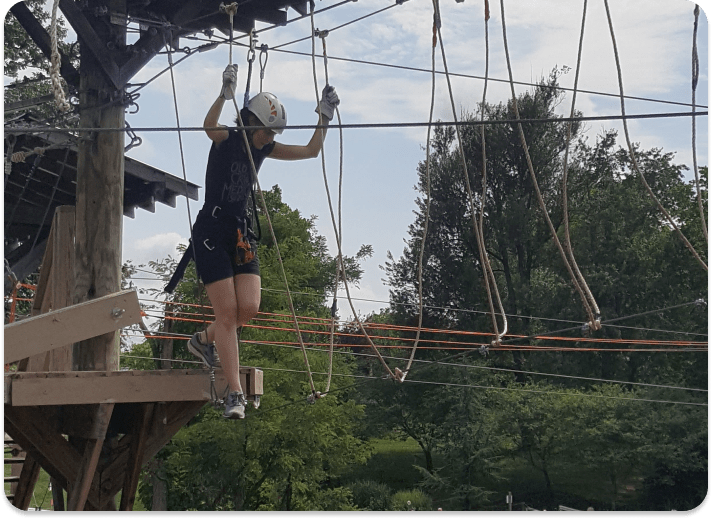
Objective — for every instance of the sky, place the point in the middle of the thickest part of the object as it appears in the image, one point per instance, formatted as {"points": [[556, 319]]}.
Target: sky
{"points": [[654, 39]]}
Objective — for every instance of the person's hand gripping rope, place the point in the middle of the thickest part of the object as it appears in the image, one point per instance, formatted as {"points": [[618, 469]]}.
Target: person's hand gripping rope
{"points": [[329, 101], [229, 82]]}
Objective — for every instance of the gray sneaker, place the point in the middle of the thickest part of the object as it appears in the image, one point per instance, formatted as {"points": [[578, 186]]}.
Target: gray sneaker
{"points": [[235, 406], [205, 352]]}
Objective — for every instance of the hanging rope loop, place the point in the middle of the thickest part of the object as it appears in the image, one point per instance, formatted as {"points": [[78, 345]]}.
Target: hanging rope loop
{"points": [[263, 64], [251, 55]]}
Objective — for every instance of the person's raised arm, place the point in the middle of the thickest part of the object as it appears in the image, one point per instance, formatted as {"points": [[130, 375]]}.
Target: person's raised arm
{"points": [[327, 105], [213, 115]]}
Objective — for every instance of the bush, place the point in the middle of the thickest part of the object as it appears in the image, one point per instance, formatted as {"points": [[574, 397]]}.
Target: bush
{"points": [[370, 495], [411, 500]]}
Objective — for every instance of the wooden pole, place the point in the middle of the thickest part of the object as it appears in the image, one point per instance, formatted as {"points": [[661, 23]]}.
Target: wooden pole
{"points": [[100, 192]]}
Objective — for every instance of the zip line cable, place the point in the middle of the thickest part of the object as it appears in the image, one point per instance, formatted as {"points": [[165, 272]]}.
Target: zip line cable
{"points": [[467, 366], [40, 129]]}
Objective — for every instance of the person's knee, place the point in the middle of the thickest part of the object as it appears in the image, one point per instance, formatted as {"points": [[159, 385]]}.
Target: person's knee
{"points": [[247, 311]]}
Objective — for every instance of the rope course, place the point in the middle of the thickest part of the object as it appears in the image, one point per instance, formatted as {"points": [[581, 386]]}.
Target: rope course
{"points": [[302, 326]]}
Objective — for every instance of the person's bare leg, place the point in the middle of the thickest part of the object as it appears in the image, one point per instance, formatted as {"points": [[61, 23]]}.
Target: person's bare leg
{"points": [[235, 302]]}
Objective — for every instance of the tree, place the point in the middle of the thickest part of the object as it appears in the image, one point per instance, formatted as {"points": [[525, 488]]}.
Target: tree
{"points": [[27, 65]]}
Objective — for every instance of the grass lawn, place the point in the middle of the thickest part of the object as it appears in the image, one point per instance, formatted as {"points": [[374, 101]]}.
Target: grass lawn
{"points": [[392, 463]]}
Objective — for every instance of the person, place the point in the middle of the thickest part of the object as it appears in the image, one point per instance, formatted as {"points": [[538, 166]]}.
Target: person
{"points": [[223, 240]]}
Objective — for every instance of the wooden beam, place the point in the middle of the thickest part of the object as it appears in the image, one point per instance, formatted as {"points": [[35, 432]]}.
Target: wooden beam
{"points": [[26, 485], [72, 324], [91, 41], [167, 421], [91, 387], [79, 488], [53, 452], [133, 469]]}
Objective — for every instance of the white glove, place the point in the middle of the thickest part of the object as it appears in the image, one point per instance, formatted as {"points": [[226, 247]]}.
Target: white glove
{"points": [[329, 101], [229, 82]]}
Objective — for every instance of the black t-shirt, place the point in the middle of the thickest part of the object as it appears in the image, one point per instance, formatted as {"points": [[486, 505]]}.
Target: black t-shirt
{"points": [[228, 176]]}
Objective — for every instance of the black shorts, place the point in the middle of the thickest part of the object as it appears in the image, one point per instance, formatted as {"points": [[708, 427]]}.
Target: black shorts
{"points": [[215, 244]]}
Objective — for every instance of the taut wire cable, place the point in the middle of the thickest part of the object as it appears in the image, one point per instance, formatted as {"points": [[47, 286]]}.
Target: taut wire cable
{"points": [[631, 150], [594, 320]]}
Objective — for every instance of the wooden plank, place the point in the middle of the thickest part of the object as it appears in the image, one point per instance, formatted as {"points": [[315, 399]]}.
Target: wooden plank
{"points": [[26, 484], [54, 329], [133, 469], [62, 278], [91, 387], [80, 487]]}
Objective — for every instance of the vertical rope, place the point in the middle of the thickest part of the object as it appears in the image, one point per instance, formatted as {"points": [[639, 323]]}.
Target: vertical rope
{"points": [[695, 77], [337, 229], [593, 323], [484, 259], [483, 199], [402, 374], [631, 151], [54, 75], [567, 236]]}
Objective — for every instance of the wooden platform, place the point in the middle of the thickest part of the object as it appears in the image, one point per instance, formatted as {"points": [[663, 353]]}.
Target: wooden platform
{"points": [[133, 386], [93, 431]]}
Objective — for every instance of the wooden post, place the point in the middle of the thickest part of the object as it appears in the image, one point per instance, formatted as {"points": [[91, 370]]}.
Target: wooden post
{"points": [[100, 193]]}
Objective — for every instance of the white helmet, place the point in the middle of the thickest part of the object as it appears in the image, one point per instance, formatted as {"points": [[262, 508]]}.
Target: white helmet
{"points": [[269, 111]]}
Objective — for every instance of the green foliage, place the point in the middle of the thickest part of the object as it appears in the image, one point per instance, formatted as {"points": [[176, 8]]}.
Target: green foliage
{"points": [[411, 501], [25, 63], [370, 495]]}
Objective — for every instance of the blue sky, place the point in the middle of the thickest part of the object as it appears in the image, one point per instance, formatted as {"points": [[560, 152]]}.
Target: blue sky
{"points": [[655, 44]]}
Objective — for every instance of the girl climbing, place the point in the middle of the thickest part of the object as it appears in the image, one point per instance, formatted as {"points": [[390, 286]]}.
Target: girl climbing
{"points": [[223, 240]]}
